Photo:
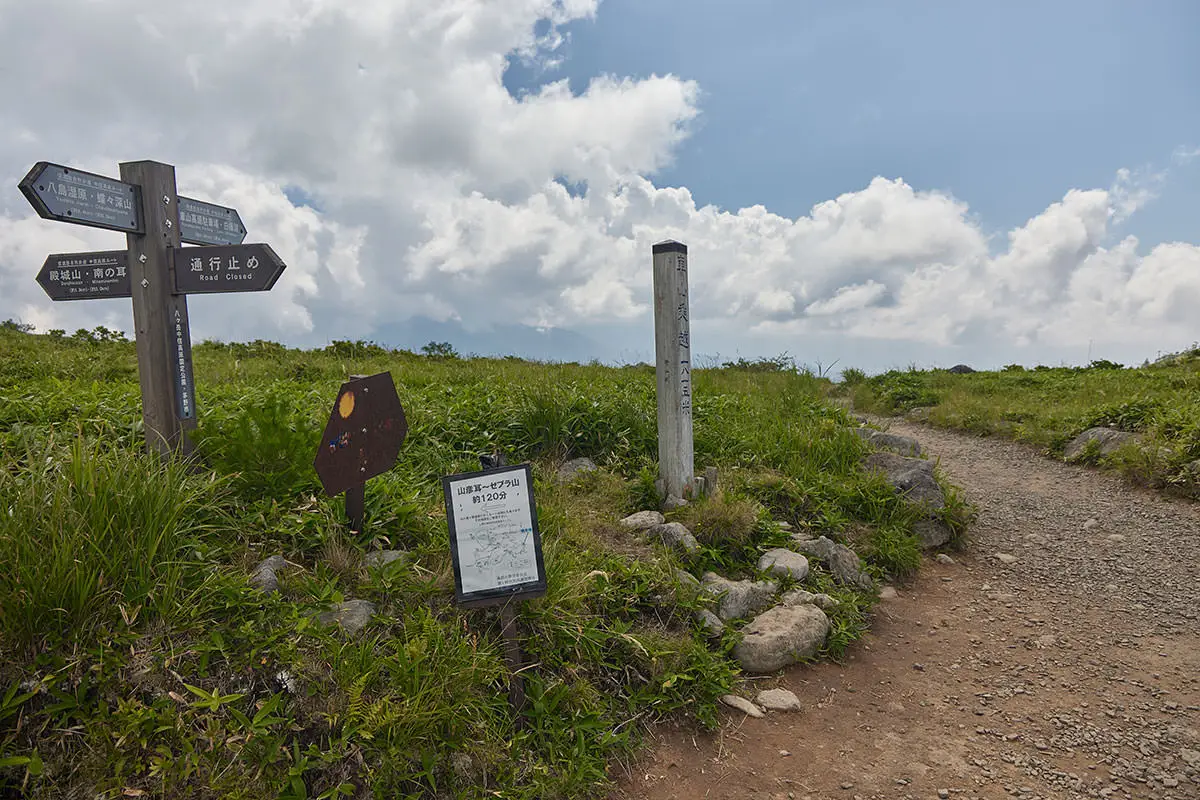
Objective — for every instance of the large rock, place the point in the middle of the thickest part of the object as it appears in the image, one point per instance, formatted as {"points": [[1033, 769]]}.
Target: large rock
{"points": [[881, 440], [738, 599], [642, 521], [960, 369], [910, 477], [676, 535], [781, 636], [843, 562], [1108, 439], [352, 615], [264, 578], [783, 563], [932, 533], [576, 466]]}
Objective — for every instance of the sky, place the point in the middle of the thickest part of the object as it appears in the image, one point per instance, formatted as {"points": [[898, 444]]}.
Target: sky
{"points": [[869, 184]]}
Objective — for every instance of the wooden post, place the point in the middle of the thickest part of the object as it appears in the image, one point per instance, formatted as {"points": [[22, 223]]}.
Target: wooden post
{"points": [[356, 497], [512, 656], [673, 354], [159, 317]]}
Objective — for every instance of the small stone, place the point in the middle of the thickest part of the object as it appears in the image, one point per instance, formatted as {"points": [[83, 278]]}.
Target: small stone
{"points": [[675, 535], [642, 520], [782, 562], [575, 467], [942, 558], [712, 625], [1170, 782], [843, 562], [264, 578], [379, 558], [1005, 558], [674, 502], [888, 593], [687, 579], [943, 794], [352, 615], [778, 700], [1091, 523], [932, 533], [743, 705], [738, 599]]}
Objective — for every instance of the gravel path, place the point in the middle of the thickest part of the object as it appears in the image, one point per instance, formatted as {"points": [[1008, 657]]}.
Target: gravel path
{"points": [[1059, 657]]}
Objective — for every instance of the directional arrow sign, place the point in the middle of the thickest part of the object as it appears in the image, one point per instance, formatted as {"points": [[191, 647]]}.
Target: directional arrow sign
{"points": [[206, 223], [66, 194], [86, 276], [226, 268]]}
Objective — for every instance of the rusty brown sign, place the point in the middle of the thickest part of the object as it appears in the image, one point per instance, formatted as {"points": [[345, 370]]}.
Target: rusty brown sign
{"points": [[363, 437]]}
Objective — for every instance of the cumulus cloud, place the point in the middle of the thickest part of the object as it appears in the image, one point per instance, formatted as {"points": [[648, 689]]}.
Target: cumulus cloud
{"points": [[438, 194]]}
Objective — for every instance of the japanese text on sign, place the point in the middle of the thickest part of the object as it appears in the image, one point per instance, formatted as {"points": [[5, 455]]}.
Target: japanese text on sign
{"points": [[493, 532]]}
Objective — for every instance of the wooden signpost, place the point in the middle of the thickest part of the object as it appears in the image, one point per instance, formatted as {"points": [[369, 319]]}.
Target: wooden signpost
{"points": [[361, 440], [673, 359], [496, 550], [144, 205]]}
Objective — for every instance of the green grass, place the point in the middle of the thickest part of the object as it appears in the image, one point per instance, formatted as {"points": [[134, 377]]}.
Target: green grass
{"points": [[135, 658], [1047, 407]]}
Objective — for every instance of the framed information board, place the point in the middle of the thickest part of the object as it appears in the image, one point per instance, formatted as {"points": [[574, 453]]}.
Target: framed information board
{"points": [[494, 540]]}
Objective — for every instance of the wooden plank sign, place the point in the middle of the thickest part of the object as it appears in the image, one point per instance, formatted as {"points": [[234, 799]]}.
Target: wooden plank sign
{"points": [[208, 223], [66, 194], [145, 205], [226, 268], [86, 276]]}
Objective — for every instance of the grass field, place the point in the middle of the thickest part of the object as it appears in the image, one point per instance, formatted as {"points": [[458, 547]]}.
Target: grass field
{"points": [[1048, 407], [136, 661]]}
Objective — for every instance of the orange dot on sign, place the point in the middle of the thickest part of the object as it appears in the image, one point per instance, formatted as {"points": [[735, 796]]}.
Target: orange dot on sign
{"points": [[346, 404]]}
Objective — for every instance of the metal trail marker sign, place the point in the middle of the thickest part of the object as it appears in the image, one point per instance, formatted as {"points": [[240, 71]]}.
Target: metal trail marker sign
{"points": [[86, 276], [208, 223], [145, 206], [361, 440], [66, 194], [229, 268]]}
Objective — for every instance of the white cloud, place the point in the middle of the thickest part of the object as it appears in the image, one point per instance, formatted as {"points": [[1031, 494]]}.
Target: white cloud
{"points": [[438, 190]]}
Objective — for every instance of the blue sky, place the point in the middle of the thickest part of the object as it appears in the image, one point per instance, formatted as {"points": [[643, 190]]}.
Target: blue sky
{"points": [[877, 183], [1003, 104]]}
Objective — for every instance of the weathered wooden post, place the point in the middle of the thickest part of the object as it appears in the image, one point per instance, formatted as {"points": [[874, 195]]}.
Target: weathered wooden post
{"points": [[160, 317], [673, 354]]}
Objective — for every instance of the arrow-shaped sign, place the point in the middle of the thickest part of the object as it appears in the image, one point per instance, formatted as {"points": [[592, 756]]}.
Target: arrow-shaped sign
{"points": [[226, 268], [66, 194], [86, 276], [207, 223]]}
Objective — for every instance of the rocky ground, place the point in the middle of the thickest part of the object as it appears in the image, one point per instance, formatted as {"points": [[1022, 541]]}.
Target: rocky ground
{"points": [[1059, 657]]}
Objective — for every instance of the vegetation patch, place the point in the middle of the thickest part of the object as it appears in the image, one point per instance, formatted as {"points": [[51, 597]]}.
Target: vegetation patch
{"points": [[1049, 406], [137, 660]]}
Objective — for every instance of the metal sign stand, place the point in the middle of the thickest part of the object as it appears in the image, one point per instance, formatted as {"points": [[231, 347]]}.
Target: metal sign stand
{"points": [[496, 552]]}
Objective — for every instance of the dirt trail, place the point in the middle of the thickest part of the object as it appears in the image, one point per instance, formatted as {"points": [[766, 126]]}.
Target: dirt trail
{"points": [[1070, 670]]}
